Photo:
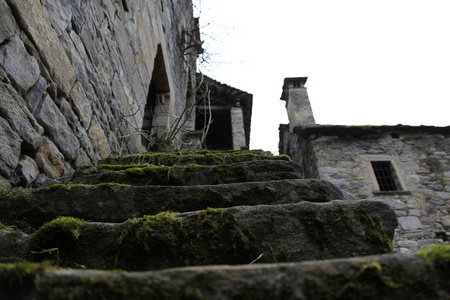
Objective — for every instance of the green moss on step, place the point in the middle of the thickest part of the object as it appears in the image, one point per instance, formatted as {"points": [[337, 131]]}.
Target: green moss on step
{"points": [[153, 175], [202, 157], [68, 187], [64, 187], [237, 172], [342, 222], [120, 167], [6, 228], [324, 229], [17, 280], [437, 257], [374, 231], [109, 185], [209, 237], [13, 202], [316, 228], [61, 233]]}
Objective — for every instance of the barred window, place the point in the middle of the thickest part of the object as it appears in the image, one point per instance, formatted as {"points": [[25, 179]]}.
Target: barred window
{"points": [[386, 176]]}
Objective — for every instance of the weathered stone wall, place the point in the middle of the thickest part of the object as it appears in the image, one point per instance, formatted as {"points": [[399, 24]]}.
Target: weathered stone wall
{"points": [[299, 149], [421, 158], [75, 78]]}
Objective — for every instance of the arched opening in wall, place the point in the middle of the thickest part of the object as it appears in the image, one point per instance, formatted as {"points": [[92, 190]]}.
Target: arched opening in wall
{"points": [[219, 135], [156, 114]]}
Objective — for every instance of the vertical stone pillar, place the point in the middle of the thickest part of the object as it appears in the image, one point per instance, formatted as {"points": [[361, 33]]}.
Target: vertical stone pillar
{"points": [[237, 128], [161, 118], [297, 102]]}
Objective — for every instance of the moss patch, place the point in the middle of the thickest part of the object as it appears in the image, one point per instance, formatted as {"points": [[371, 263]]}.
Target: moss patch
{"points": [[437, 257], [61, 233], [13, 202], [69, 186], [209, 237], [202, 157], [153, 175], [372, 280], [17, 280], [324, 229], [6, 228], [374, 231]]}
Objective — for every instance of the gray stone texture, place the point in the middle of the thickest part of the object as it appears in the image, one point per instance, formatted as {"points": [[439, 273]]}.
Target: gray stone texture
{"points": [[13, 246], [35, 22], [96, 56], [22, 69], [9, 149], [14, 110], [57, 128], [27, 170], [49, 159], [8, 26]]}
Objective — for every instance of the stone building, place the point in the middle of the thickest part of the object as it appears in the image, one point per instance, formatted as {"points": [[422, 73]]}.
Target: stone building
{"points": [[407, 167], [227, 110]]}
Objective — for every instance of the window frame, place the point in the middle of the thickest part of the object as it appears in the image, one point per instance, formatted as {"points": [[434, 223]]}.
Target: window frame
{"points": [[395, 174]]}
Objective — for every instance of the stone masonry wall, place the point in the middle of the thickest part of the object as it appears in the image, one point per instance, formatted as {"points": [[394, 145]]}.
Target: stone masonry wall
{"points": [[299, 149], [75, 77], [421, 161]]}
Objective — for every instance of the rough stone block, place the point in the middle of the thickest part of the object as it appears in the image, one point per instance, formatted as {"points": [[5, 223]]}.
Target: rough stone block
{"points": [[81, 104], [99, 140], [49, 159], [13, 246], [59, 14], [9, 149], [56, 125], [35, 93], [14, 109], [8, 26], [22, 69], [27, 171], [415, 212], [35, 22], [410, 222]]}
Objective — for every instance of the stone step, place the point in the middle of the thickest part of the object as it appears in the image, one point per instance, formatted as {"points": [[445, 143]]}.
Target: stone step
{"points": [[237, 235], [200, 158], [390, 277], [191, 174], [116, 202]]}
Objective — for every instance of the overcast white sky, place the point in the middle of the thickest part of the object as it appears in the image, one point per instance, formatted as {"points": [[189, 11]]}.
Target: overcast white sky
{"points": [[383, 62]]}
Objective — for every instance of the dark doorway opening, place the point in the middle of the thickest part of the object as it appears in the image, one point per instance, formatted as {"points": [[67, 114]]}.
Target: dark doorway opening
{"points": [[159, 85], [219, 135]]}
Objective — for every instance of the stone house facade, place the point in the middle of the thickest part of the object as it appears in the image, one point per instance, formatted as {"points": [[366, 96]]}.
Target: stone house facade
{"points": [[407, 167]]}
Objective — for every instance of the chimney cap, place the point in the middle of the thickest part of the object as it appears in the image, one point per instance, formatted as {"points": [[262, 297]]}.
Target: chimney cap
{"points": [[292, 82]]}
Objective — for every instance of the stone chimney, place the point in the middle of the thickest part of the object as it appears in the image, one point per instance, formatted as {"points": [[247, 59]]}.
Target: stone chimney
{"points": [[297, 102]]}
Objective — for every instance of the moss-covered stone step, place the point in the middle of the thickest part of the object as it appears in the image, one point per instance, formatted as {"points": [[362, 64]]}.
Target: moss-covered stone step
{"points": [[390, 277], [238, 235], [117, 202], [190, 174], [201, 158]]}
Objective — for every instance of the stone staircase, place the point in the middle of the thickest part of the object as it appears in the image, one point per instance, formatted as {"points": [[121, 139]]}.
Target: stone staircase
{"points": [[169, 210]]}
